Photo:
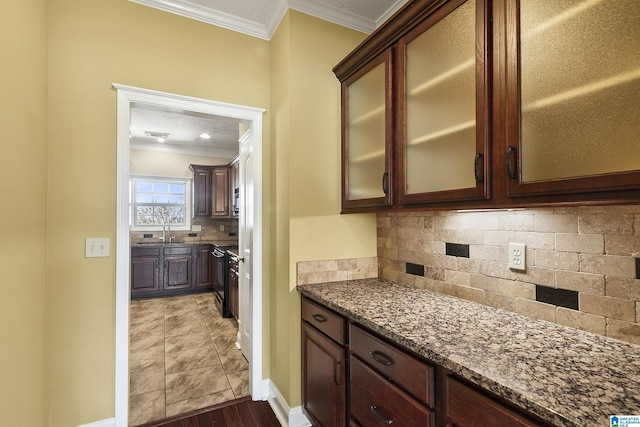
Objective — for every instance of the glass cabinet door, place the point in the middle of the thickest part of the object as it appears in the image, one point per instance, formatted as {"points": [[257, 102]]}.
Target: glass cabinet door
{"points": [[575, 85], [367, 180], [443, 134]]}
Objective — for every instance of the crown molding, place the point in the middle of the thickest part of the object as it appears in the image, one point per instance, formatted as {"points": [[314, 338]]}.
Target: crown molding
{"points": [[265, 31], [203, 14], [389, 13], [194, 151], [333, 14]]}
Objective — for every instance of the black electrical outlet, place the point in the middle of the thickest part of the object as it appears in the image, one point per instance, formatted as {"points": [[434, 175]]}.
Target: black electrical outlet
{"points": [[559, 297], [193, 234], [457, 249], [415, 269], [147, 235], [233, 234]]}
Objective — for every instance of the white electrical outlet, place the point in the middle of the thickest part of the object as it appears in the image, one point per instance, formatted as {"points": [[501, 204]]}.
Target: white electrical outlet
{"points": [[517, 256], [97, 247], [221, 227]]}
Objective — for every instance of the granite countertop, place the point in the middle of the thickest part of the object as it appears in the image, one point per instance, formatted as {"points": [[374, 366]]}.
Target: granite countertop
{"points": [[566, 376]]}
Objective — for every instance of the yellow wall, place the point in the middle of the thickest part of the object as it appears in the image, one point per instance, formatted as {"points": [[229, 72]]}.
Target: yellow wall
{"points": [[93, 44], [305, 103], [60, 140], [23, 172]]}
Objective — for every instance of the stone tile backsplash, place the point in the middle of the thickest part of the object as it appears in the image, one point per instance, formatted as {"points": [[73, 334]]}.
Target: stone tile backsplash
{"points": [[593, 251], [310, 272], [210, 233]]}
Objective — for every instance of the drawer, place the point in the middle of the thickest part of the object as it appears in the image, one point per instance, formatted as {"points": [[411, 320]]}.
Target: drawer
{"points": [[467, 407], [137, 251], [377, 402], [177, 250], [330, 323], [408, 372]]}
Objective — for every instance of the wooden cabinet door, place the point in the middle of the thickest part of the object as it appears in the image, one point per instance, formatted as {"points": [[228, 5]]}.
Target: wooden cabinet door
{"points": [[572, 82], [202, 191], [367, 171], [443, 106], [203, 267], [145, 274], [178, 268], [323, 379], [220, 179], [466, 407]]}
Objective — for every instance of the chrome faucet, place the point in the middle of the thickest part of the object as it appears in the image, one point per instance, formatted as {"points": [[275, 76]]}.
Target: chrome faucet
{"points": [[166, 225]]}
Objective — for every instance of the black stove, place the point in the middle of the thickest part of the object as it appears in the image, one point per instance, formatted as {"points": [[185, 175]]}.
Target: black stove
{"points": [[221, 277]]}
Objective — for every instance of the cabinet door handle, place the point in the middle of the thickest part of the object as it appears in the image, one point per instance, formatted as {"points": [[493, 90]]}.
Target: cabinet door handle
{"points": [[510, 162], [380, 359], [336, 372], [319, 318], [387, 421], [385, 183], [478, 168]]}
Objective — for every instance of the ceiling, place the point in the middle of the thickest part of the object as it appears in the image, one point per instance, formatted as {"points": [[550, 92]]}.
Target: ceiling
{"points": [[260, 18], [184, 129], [257, 18]]}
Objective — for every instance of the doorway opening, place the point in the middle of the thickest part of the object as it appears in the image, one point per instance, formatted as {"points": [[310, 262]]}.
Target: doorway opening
{"points": [[250, 231]]}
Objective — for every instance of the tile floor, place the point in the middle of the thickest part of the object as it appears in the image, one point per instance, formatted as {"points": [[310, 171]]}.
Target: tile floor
{"points": [[182, 357]]}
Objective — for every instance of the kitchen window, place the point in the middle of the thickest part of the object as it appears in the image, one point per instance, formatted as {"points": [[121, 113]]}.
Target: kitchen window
{"points": [[158, 201]]}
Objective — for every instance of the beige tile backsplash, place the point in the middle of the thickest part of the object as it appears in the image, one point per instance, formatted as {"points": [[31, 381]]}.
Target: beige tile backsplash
{"points": [[310, 272], [591, 250]]}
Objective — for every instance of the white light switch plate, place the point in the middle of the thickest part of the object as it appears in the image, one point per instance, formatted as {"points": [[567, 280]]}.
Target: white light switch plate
{"points": [[517, 256], [97, 247]]}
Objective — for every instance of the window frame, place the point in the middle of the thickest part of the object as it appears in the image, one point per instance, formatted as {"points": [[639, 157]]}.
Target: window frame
{"points": [[187, 182]]}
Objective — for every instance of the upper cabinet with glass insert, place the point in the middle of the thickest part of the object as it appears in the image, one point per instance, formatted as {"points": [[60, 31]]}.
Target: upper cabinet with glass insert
{"points": [[366, 138], [442, 139], [494, 104], [573, 93]]}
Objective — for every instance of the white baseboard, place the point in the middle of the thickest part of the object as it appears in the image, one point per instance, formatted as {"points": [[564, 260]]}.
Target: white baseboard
{"points": [[288, 417], [109, 422]]}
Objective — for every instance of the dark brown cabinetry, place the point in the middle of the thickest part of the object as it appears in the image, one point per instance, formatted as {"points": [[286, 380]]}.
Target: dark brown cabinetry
{"points": [[220, 198], [145, 271], [170, 269], [468, 407], [201, 191], [324, 381], [234, 187], [491, 104], [211, 193], [203, 265], [178, 267], [387, 384]]}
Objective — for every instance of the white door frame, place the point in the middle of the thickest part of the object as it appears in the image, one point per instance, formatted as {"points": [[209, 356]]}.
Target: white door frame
{"points": [[126, 96]]}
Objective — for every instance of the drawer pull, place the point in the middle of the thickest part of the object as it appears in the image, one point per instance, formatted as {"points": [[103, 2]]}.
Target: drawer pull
{"points": [[319, 318], [380, 359], [336, 371], [387, 421]]}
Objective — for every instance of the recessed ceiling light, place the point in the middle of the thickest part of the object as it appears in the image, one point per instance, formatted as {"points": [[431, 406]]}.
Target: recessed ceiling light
{"points": [[161, 140], [205, 135]]}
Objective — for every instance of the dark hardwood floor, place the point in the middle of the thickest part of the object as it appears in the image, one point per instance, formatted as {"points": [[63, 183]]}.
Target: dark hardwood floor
{"points": [[241, 412]]}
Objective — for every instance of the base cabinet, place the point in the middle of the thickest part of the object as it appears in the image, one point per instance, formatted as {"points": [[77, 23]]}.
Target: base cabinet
{"points": [[387, 384], [173, 269], [468, 407], [145, 271], [324, 381]]}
